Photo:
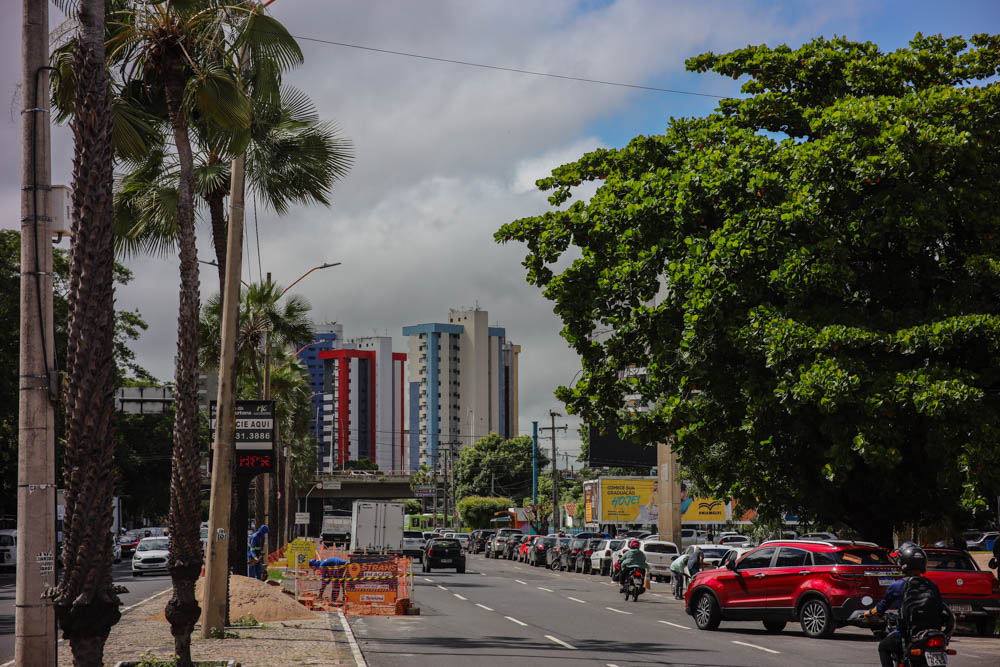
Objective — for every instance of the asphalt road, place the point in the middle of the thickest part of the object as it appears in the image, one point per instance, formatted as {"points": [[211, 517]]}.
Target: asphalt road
{"points": [[139, 588], [500, 610]]}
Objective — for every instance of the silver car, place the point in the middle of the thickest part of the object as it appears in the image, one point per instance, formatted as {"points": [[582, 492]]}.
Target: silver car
{"points": [[151, 556]]}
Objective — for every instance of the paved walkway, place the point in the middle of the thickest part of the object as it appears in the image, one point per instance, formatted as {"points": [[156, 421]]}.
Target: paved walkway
{"points": [[318, 641]]}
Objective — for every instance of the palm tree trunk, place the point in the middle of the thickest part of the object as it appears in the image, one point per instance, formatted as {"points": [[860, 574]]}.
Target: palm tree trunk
{"points": [[86, 600], [185, 485], [217, 213]]}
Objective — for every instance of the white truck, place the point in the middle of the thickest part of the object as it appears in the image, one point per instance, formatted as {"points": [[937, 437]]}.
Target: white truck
{"points": [[376, 527], [336, 529]]}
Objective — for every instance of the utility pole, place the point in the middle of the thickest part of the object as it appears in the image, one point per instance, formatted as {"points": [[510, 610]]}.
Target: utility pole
{"points": [[454, 496], [556, 522], [220, 503], [534, 463], [34, 618]]}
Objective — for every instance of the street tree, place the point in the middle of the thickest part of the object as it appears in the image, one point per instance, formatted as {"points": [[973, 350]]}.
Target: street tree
{"points": [[85, 598], [802, 286], [493, 466], [477, 511]]}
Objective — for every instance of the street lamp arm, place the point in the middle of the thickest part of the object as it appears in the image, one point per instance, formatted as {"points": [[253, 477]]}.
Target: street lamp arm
{"points": [[315, 268]]}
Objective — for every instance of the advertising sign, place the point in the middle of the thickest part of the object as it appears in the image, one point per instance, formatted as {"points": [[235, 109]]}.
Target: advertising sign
{"points": [[254, 436], [299, 552], [588, 503], [371, 578], [703, 510], [423, 491], [629, 500]]}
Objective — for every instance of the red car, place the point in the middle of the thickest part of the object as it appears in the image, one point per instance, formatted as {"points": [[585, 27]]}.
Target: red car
{"points": [[972, 594], [819, 584], [129, 542], [522, 549]]}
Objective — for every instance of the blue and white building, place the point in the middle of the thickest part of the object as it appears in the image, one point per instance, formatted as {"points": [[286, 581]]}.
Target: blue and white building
{"points": [[462, 384], [328, 337]]}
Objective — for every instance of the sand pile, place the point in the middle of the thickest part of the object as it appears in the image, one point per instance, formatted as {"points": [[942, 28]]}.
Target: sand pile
{"points": [[250, 597]]}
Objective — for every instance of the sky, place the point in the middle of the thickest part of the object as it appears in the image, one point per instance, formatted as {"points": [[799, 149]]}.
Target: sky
{"points": [[447, 153]]}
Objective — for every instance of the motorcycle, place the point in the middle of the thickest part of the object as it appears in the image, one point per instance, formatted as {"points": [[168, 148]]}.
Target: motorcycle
{"points": [[633, 584], [927, 648]]}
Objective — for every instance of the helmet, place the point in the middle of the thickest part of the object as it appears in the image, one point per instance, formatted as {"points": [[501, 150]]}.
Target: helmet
{"points": [[912, 557], [633, 544]]}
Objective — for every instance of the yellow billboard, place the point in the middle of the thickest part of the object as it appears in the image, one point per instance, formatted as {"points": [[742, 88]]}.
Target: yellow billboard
{"points": [[702, 510], [629, 500]]}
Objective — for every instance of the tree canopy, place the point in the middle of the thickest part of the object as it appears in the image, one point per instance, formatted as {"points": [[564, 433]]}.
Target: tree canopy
{"points": [[476, 511], [802, 286], [492, 466]]}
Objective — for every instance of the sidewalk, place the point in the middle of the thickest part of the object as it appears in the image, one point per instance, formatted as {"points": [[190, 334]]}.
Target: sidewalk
{"points": [[315, 641]]}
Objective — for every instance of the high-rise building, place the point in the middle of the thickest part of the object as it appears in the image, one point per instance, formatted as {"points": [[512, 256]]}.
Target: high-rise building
{"points": [[327, 337], [462, 384], [363, 405]]}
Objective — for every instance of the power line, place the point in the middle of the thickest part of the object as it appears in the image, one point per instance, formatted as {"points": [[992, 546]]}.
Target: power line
{"points": [[509, 69]]}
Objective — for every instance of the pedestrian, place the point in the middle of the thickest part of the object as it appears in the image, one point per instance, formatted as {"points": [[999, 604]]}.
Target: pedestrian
{"points": [[695, 564], [996, 555], [255, 555], [677, 576]]}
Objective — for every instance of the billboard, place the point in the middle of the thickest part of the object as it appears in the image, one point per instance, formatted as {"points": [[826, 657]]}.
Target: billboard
{"points": [[629, 500], [253, 436], [607, 449]]}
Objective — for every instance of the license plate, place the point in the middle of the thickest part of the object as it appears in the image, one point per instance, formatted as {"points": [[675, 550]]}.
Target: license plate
{"points": [[886, 581], [935, 658], [445, 560], [961, 608]]}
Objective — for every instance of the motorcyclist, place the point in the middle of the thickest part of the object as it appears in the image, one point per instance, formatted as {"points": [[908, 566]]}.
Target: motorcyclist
{"points": [[632, 560], [913, 560]]}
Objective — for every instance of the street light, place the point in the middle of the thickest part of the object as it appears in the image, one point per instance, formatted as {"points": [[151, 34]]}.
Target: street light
{"points": [[216, 265], [325, 265]]}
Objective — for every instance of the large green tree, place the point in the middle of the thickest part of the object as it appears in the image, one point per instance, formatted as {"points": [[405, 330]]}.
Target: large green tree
{"points": [[803, 284], [492, 466]]}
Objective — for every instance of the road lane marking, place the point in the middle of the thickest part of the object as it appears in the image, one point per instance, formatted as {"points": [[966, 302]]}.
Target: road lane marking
{"points": [[459, 596], [484, 607], [359, 659], [560, 642], [543, 588], [618, 610], [442, 587], [604, 583], [428, 579], [682, 627], [611, 664], [576, 600], [511, 618], [521, 582], [761, 648]]}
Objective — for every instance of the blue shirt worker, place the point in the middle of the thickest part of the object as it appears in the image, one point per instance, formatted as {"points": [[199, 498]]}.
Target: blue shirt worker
{"points": [[255, 553], [330, 569]]}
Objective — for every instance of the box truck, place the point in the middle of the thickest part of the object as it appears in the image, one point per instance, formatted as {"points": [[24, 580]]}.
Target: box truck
{"points": [[376, 526]]}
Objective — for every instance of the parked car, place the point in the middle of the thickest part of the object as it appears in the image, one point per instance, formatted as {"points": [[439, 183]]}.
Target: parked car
{"points": [[431, 535], [129, 542], [463, 539], [8, 548], [413, 544], [982, 541], [600, 560], [478, 545], [823, 585], [972, 594], [691, 536], [733, 540], [659, 555], [538, 548], [553, 556], [734, 554], [497, 545], [822, 537], [712, 554], [573, 550], [444, 552], [522, 548], [583, 561], [150, 556], [116, 549]]}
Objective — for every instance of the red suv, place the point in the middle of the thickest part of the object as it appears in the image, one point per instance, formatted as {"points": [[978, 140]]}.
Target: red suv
{"points": [[819, 584]]}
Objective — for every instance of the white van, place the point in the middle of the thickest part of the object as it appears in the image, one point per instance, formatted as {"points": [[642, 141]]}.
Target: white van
{"points": [[8, 548]]}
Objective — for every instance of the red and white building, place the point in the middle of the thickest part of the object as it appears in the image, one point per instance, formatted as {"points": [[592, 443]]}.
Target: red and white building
{"points": [[364, 412]]}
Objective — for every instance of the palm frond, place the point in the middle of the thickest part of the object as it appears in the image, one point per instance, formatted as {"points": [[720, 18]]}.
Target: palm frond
{"points": [[267, 40]]}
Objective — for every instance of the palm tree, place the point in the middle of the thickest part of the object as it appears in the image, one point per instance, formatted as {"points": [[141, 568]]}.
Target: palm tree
{"points": [[85, 598]]}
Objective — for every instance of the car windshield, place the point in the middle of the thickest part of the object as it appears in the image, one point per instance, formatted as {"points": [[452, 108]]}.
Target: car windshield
{"points": [[154, 545], [461, 535], [445, 543], [413, 534], [547, 541], [615, 544], [6, 540], [712, 554], [204, 533], [660, 548], [950, 562]]}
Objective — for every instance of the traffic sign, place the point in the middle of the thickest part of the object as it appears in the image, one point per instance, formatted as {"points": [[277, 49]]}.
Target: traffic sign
{"points": [[302, 518], [424, 491]]}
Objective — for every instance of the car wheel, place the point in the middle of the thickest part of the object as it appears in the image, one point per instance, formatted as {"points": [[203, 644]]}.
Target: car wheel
{"points": [[460, 569], [604, 570], [816, 619], [774, 626], [706, 612], [985, 626]]}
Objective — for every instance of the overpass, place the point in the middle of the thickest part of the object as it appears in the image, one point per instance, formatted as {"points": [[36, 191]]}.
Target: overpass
{"points": [[355, 485]]}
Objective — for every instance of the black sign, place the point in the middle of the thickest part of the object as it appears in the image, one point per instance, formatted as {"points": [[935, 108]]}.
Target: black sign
{"points": [[607, 449], [254, 436]]}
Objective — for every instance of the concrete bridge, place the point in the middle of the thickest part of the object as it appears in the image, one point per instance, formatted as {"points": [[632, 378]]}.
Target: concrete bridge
{"points": [[360, 486]]}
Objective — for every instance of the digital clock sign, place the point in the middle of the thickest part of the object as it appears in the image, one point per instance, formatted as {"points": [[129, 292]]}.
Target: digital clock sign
{"points": [[253, 436]]}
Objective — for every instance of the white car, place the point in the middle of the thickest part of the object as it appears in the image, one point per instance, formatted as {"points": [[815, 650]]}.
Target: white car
{"points": [[414, 544], [659, 555], [691, 536], [463, 539], [116, 548], [600, 558], [733, 540], [150, 556], [712, 554], [8, 548], [734, 554], [980, 541], [496, 545]]}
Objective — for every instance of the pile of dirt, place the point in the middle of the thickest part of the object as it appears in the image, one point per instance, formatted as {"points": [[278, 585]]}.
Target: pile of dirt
{"points": [[251, 597]]}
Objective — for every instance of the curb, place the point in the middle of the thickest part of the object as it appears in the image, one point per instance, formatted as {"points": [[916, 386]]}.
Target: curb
{"points": [[359, 659]]}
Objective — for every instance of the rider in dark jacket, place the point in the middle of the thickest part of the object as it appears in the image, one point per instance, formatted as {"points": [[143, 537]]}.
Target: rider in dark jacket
{"points": [[633, 559]]}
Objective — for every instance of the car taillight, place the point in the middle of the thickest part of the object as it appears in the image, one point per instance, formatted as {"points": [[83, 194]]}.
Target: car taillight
{"points": [[587, 552], [430, 552], [541, 547], [845, 576], [935, 642]]}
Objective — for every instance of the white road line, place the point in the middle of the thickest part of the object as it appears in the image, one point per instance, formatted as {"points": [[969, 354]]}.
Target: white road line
{"points": [[576, 600], [511, 618], [484, 607], [560, 642], [618, 610], [483, 574], [543, 588], [521, 582], [442, 587], [151, 597], [761, 648], [459, 596], [604, 583], [682, 627], [359, 659], [428, 579], [611, 664]]}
